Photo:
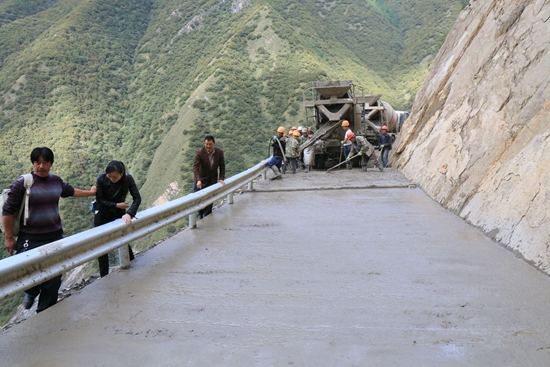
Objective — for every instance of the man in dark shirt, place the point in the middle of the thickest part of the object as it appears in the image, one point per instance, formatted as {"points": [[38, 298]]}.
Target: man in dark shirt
{"points": [[208, 160], [276, 161], [384, 141], [43, 224]]}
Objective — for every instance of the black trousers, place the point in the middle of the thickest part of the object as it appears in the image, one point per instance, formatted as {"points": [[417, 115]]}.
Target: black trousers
{"points": [[207, 210], [104, 216], [48, 290], [103, 261]]}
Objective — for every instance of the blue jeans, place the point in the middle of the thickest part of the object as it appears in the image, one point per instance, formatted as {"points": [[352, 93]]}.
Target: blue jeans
{"points": [[385, 157], [275, 161], [293, 163], [347, 149]]}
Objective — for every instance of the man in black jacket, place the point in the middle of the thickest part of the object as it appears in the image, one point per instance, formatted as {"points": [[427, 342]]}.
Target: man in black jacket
{"points": [[275, 162], [208, 161]]}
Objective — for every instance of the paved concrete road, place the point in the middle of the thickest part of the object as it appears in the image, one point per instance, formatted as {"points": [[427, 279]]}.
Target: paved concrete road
{"points": [[350, 277]]}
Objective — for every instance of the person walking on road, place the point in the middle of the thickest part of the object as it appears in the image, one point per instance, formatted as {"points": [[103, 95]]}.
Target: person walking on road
{"points": [[361, 146], [208, 169], [384, 141], [112, 188], [276, 161], [346, 144], [43, 224]]}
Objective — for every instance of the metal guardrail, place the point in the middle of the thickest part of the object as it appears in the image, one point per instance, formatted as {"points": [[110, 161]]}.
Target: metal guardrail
{"points": [[35, 266]]}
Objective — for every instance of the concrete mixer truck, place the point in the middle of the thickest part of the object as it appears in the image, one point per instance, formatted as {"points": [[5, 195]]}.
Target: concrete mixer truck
{"points": [[328, 103]]}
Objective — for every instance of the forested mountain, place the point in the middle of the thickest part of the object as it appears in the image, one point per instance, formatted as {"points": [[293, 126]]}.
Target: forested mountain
{"points": [[143, 81]]}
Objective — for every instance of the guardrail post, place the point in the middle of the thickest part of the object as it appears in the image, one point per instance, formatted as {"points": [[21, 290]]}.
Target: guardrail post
{"points": [[193, 220], [230, 198], [124, 256], [265, 175], [250, 185]]}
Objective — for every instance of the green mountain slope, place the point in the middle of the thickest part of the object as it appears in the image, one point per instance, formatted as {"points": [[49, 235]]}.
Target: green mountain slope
{"points": [[143, 81]]}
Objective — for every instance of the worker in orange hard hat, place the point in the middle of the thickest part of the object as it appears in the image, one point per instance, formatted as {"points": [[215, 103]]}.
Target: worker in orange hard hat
{"points": [[290, 132], [346, 144], [384, 142], [292, 151], [360, 146], [276, 161]]}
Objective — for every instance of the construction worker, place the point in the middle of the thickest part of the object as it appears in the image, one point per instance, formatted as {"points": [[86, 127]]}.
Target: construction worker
{"points": [[291, 132], [308, 154], [346, 144], [276, 161], [362, 147], [384, 141], [291, 152], [287, 137], [302, 138]]}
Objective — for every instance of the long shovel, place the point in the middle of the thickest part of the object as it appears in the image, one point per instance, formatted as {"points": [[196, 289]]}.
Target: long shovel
{"points": [[339, 164]]}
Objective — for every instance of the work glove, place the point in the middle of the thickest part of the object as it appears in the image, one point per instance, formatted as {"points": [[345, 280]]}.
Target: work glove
{"points": [[382, 147], [342, 142], [347, 159], [360, 153]]}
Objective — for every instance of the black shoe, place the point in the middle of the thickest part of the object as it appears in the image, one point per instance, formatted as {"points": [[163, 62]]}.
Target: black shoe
{"points": [[28, 300]]}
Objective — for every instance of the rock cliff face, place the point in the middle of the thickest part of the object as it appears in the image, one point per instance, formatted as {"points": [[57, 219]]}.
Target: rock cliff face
{"points": [[478, 139]]}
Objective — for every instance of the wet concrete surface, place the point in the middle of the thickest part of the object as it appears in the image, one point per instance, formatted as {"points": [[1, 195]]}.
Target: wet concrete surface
{"points": [[319, 277]]}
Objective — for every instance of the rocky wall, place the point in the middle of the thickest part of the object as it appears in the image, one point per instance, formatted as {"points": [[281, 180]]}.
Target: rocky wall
{"points": [[477, 140]]}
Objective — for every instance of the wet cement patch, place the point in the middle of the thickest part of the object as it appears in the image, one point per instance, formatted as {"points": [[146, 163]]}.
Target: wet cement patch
{"points": [[356, 277]]}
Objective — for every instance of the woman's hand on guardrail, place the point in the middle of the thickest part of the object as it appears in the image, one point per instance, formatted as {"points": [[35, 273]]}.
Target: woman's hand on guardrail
{"points": [[127, 219]]}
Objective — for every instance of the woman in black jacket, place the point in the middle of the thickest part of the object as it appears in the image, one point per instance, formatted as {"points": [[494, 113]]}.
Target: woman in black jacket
{"points": [[112, 188]]}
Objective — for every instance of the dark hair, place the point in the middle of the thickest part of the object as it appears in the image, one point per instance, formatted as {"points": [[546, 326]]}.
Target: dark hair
{"points": [[118, 166], [45, 153], [209, 137]]}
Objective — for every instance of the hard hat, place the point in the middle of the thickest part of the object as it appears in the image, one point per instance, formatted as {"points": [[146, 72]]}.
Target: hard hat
{"points": [[345, 123], [293, 128], [296, 133], [352, 135], [299, 128], [281, 129], [384, 127]]}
